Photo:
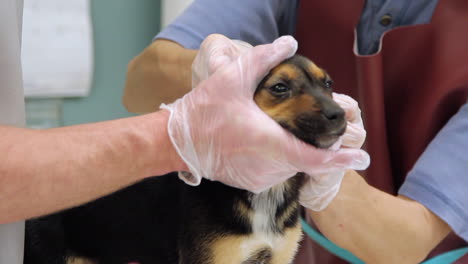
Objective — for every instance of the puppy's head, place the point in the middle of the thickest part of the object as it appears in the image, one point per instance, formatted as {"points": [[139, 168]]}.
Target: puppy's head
{"points": [[298, 95]]}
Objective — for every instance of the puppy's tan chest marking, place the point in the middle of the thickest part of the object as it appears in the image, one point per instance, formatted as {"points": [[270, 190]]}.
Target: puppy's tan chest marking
{"points": [[277, 248], [237, 249], [73, 260]]}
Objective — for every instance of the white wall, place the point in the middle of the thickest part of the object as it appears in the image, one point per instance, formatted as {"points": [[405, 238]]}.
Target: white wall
{"points": [[171, 9]]}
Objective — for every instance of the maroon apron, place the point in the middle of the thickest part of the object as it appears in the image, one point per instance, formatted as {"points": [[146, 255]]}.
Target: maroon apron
{"points": [[407, 91]]}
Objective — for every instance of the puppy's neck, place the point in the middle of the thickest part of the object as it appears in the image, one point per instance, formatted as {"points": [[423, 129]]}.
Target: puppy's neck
{"points": [[265, 205]]}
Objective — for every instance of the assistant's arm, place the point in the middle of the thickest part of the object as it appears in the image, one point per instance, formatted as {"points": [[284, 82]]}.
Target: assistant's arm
{"points": [[42, 171], [378, 227], [162, 72], [159, 74]]}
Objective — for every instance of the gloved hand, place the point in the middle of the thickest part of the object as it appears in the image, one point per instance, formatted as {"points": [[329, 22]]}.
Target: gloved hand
{"points": [[320, 189], [355, 134], [215, 52], [222, 135]]}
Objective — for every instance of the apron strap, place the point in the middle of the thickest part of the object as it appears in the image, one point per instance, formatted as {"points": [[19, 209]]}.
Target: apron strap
{"points": [[448, 257], [328, 245], [445, 258]]}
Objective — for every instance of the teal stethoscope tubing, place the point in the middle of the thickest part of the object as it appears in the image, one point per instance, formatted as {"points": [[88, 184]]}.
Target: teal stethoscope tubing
{"points": [[446, 258]]}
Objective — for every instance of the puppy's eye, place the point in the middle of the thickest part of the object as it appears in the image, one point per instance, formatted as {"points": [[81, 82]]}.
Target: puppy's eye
{"points": [[279, 88], [328, 83]]}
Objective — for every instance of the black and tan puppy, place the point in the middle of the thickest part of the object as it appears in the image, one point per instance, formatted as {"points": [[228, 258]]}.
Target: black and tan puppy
{"points": [[163, 220]]}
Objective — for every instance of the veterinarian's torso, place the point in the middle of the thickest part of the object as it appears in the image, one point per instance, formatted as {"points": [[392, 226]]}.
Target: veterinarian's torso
{"points": [[11, 109], [408, 89]]}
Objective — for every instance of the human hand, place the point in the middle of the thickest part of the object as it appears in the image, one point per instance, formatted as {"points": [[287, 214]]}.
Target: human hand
{"points": [[222, 135], [215, 52], [320, 189], [355, 134]]}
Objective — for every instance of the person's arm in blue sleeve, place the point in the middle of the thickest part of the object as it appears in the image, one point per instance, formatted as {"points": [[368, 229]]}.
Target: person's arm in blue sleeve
{"points": [[439, 179], [167, 61]]}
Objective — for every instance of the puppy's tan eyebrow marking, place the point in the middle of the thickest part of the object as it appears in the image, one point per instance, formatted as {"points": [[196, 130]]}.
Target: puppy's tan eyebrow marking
{"points": [[316, 71], [287, 71]]}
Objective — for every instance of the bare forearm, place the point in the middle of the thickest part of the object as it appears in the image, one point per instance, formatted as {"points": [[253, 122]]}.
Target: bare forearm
{"points": [[378, 227], [49, 170], [160, 74]]}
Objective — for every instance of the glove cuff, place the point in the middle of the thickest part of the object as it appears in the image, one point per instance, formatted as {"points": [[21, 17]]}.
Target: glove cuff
{"points": [[189, 178], [318, 194]]}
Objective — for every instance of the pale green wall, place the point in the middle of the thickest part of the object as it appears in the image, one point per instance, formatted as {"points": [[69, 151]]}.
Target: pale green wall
{"points": [[122, 29]]}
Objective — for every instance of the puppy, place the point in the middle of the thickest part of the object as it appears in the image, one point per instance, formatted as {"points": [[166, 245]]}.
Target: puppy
{"points": [[163, 220]]}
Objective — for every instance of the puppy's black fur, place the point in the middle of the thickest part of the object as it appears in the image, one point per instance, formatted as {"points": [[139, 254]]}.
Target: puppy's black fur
{"points": [[149, 222]]}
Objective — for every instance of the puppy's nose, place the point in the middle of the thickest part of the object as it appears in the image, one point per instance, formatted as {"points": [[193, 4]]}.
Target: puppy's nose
{"points": [[333, 113]]}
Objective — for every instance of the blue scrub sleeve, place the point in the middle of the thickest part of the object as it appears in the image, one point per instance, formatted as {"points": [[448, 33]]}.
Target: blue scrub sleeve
{"points": [[254, 21], [439, 179]]}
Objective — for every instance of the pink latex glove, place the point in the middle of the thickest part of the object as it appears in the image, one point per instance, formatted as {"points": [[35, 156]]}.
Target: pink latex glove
{"points": [[355, 134], [222, 135], [320, 189], [215, 52]]}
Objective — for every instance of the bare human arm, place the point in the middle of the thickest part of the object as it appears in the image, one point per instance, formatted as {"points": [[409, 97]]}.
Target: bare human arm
{"points": [[164, 64], [42, 171], [378, 227]]}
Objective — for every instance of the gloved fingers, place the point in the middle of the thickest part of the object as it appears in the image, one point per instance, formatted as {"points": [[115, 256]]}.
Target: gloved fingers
{"points": [[354, 136], [271, 180], [267, 169], [218, 45], [355, 159], [317, 161], [351, 107], [319, 190], [242, 45], [312, 160], [215, 52], [259, 60], [227, 51], [320, 201], [246, 173], [213, 46]]}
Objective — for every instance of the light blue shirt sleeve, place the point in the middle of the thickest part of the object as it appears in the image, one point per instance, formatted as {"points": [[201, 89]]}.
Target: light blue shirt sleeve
{"points": [[254, 21], [439, 179]]}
